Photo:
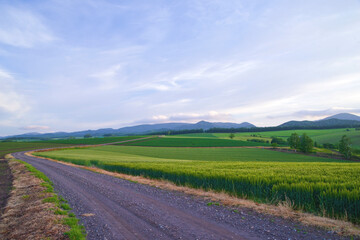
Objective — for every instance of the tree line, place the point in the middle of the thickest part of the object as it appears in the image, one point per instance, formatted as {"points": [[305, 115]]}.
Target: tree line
{"points": [[305, 144]]}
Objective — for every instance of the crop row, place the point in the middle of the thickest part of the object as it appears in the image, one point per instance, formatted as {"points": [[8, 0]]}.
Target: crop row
{"points": [[318, 187], [194, 142]]}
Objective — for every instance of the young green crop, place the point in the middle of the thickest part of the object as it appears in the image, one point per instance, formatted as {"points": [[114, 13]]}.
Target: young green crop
{"points": [[313, 184], [9, 147], [321, 136], [94, 140], [193, 142]]}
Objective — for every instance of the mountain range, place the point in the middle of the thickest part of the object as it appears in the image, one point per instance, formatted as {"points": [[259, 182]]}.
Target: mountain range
{"points": [[338, 120], [139, 129]]}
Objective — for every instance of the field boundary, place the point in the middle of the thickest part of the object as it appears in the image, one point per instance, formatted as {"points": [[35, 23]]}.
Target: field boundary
{"points": [[283, 209], [34, 210]]}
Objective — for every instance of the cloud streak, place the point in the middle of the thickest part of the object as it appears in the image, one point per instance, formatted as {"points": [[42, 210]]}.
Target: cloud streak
{"points": [[21, 28], [188, 117]]}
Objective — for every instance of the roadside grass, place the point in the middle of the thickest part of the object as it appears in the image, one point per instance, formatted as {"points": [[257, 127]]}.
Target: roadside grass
{"points": [[327, 187], [193, 142], [77, 231]]}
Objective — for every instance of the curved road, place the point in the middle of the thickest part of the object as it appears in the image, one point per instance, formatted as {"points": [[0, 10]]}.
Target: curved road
{"points": [[112, 208]]}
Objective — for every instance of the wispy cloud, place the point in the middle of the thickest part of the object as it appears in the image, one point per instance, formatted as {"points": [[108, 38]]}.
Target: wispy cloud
{"points": [[110, 78], [35, 127], [10, 101], [22, 28], [200, 76], [188, 117]]}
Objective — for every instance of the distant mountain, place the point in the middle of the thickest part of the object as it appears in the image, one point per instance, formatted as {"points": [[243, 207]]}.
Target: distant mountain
{"points": [[344, 116], [139, 129], [331, 123], [342, 120]]}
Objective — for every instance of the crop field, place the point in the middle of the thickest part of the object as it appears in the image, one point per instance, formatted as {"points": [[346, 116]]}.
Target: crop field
{"points": [[9, 147], [193, 142], [238, 136], [321, 136], [86, 141], [313, 184]]}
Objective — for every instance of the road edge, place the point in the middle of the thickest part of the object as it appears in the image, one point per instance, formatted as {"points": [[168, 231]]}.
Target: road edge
{"points": [[54, 206]]}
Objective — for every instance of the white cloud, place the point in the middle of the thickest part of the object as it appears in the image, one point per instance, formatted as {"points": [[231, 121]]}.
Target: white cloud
{"points": [[21, 28], [201, 76], [109, 78], [216, 70], [188, 117], [35, 127], [10, 101]]}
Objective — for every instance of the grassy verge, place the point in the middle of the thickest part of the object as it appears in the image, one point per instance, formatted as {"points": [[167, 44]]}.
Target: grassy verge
{"points": [[35, 209], [77, 231]]}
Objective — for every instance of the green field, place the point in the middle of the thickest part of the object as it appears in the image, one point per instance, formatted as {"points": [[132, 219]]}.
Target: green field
{"points": [[320, 136], [193, 142], [9, 147], [312, 184], [90, 141]]}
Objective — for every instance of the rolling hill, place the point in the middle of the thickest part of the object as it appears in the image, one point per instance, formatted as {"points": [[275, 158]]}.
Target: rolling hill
{"points": [[139, 129], [338, 120]]}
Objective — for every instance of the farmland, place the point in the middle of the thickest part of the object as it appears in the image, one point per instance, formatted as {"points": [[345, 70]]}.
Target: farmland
{"points": [[193, 142], [9, 147], [89, 141], [320, 136], [313, 184]]}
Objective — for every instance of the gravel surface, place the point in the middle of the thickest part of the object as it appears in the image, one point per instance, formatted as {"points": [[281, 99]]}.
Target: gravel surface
{"points": [[112, 208]]}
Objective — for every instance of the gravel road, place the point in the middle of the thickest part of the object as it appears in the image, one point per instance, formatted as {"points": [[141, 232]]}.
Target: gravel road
{"points": [[112, 208]]}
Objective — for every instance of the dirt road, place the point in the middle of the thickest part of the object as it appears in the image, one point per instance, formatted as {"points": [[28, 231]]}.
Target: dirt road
{"points": [[112, 208]]}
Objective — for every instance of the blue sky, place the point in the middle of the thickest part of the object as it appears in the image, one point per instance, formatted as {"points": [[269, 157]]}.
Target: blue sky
{"points": [[74, 65]]}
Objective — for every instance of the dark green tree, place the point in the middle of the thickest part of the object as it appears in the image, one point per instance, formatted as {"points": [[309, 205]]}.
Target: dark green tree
{"points": [[232, 135], [278, 140], [345, 147], [306, 143], [294, 141], [274, 144]]}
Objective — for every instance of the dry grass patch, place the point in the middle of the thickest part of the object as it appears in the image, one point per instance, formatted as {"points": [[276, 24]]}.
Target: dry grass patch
{"points": [[25, 215]]}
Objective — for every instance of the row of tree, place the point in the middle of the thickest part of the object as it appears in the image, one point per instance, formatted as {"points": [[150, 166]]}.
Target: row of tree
{"points": [[305, 144]]}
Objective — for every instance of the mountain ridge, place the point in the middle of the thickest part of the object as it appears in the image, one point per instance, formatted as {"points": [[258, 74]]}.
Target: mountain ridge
{"points": [[138, 129], [337, 120], [341, 119]]}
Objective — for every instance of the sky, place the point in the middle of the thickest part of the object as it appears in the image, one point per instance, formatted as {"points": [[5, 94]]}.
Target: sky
{"points": [[68, 65]]}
